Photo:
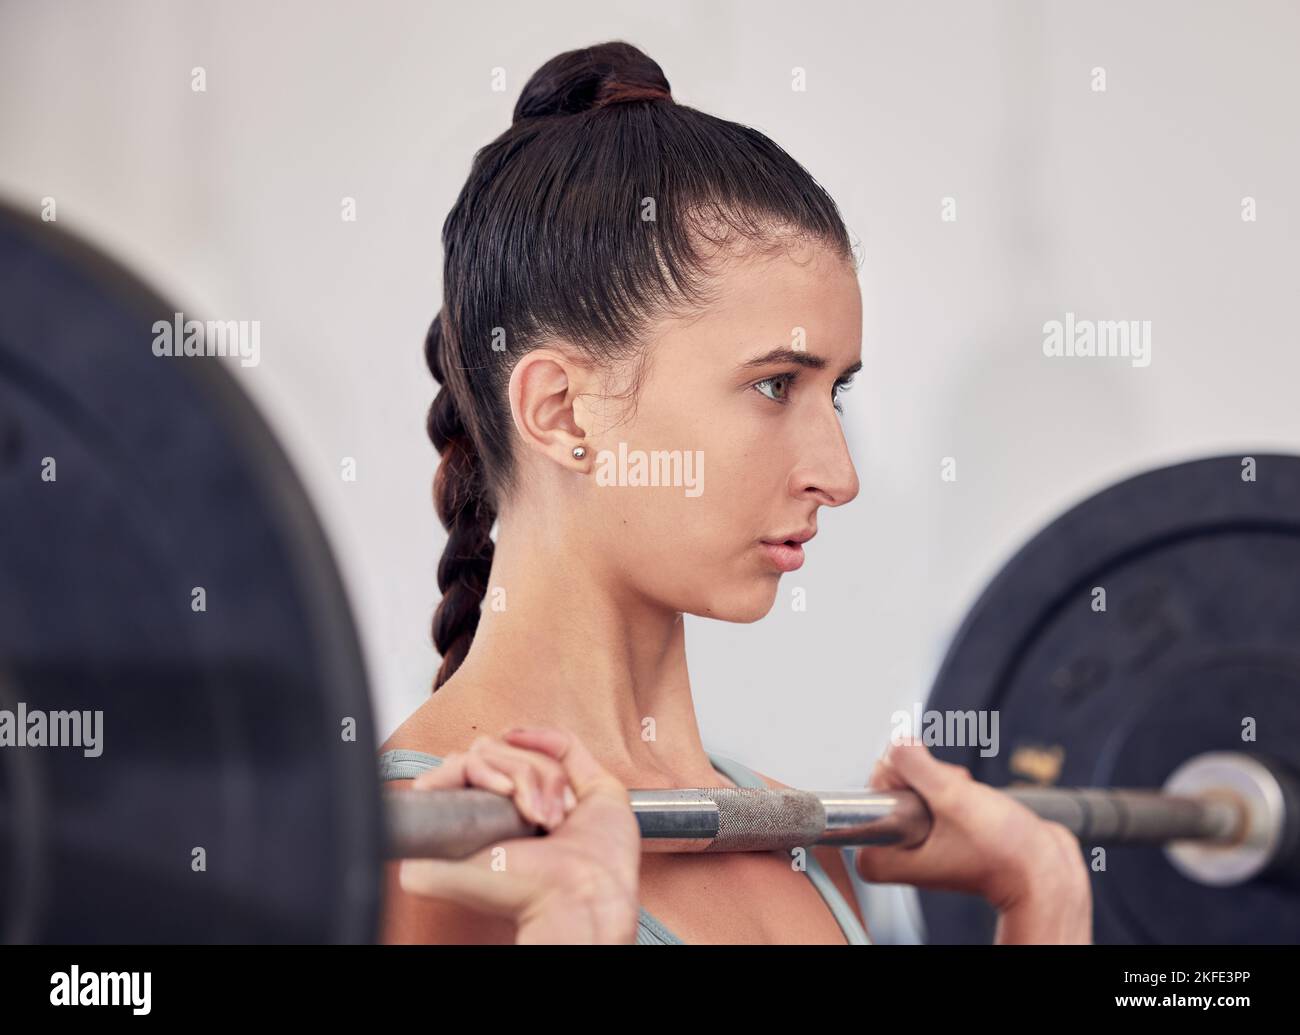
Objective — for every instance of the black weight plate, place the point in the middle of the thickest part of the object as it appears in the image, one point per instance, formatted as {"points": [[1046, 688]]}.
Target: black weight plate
{"points": [[1201, 630], [221, 730]]}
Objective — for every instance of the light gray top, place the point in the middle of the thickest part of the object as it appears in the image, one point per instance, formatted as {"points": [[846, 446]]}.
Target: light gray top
{"points": [[405, 764]]}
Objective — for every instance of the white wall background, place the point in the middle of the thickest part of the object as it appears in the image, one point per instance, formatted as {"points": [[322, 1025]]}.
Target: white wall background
{"points": [[1117, 205]]}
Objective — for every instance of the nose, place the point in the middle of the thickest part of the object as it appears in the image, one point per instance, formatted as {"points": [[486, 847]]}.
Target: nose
{"points": [[825, 472]]}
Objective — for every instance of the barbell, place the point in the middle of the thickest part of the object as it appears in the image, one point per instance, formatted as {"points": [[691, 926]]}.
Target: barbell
{"points": [[165, 571], [1225, 818]]}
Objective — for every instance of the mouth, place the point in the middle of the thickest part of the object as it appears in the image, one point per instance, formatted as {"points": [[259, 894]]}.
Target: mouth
{"points": [[787, 554]]}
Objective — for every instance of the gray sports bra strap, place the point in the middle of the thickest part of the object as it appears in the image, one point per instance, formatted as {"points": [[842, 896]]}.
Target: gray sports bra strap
{"points": [[405, 764]]}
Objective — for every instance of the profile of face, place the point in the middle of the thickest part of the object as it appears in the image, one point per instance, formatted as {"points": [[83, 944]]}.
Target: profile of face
{"points": [[758, 444]]}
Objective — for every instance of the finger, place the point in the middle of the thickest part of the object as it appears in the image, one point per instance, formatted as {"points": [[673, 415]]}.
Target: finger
{"points": [[464, 770], [535, 782], [553, 779], [450, 773], [922, 866], [539, 780], [483, 773], [921, 770], [890, 864], [586, 775], [469, 882], [885, 778]]}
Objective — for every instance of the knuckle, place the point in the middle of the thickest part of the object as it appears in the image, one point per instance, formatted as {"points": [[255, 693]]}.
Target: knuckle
{"points": [[946, 799], [555, 782], [1063, 837], [955, 771], [607, 785]]}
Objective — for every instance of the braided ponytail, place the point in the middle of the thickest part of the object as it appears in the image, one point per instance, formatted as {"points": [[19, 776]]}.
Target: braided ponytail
{"points": [[460, 497]]}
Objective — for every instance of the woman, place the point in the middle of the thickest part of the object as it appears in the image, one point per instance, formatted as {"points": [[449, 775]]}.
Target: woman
{"points": [[638, 295]]}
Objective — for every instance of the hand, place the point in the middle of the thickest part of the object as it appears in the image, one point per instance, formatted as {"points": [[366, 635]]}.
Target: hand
{"points": [[576, 884], [986, 843]]}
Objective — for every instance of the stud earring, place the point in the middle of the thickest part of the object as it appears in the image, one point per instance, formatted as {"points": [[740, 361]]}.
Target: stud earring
{"points": [[579, 452]]}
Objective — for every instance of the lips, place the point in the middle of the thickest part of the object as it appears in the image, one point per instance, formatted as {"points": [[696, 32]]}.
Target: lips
{"points": [[786, 551], [786, 556], [799, 535]]}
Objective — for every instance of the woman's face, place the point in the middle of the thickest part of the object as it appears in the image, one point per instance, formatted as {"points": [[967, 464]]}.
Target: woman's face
{"points": [[736, 419]]}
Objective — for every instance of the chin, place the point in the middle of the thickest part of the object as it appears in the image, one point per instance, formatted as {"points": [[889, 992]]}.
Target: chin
{"points": [[746, 602]]}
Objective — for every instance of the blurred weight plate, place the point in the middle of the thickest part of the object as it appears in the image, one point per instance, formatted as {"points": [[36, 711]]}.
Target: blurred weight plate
{"points": [[1201, 632], [222, 730]]}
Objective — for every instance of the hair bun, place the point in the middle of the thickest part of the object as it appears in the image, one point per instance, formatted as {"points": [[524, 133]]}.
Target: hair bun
{"points": [[591, 78]]}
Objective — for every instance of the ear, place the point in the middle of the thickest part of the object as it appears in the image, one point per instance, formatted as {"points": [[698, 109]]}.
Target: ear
{"points": [[546, 386]]}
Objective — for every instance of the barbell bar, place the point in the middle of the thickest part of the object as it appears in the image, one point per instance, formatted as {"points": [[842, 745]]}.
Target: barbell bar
{"points": [[1223, 817]]}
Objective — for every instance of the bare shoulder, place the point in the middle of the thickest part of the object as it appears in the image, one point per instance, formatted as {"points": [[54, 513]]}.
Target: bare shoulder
{"points": [[439, 726], [831, 859]]}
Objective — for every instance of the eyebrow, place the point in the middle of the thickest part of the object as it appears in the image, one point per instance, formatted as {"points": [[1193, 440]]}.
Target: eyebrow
{"points": [[799, 358]]}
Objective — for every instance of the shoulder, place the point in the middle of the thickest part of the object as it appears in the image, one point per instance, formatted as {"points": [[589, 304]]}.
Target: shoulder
{"points": [[439, 726], [410, 918], [831, 859], [418, 733]]}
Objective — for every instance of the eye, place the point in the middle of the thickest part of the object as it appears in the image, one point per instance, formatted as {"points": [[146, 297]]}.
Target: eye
{"points": [[782, 381], [779, 386], [840, 386]]}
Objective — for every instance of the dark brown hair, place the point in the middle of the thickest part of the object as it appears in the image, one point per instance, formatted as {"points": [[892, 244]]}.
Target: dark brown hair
{"points": [[584, 221]]}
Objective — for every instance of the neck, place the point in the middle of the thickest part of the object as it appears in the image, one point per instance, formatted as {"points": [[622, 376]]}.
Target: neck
{"points": [[563, 642]]}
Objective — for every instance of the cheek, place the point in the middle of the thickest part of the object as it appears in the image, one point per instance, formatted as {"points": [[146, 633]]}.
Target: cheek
{"points": [[695, 555], [692, 544]]}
